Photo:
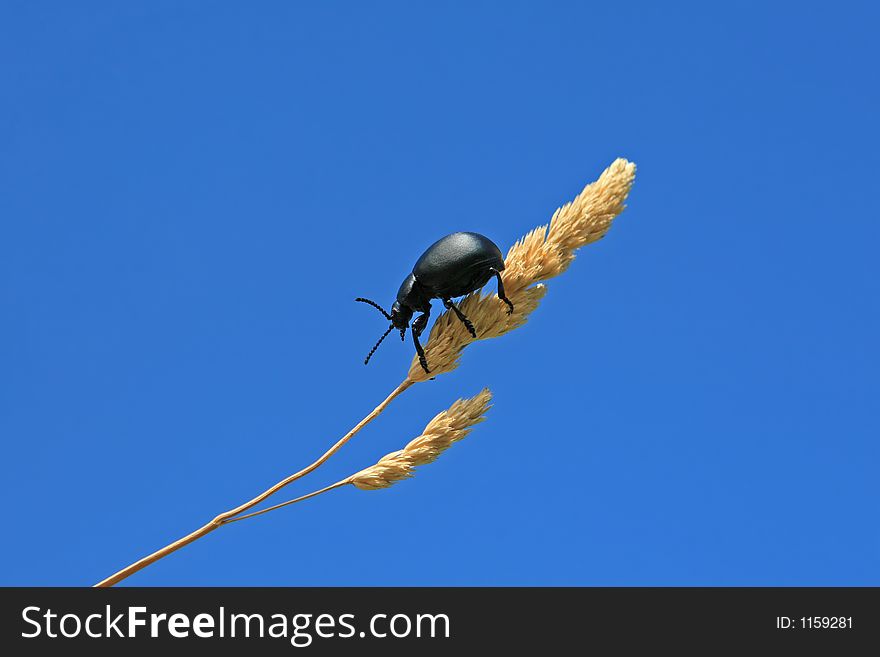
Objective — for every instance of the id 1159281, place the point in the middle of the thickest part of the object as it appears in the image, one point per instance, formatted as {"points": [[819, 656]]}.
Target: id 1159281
{"points": [[814, 623]]}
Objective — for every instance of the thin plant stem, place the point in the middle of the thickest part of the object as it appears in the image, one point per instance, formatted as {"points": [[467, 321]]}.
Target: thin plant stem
{"points": [[288, 502], [226, 516]]}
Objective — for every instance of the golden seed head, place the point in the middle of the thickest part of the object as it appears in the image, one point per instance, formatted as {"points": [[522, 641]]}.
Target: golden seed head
{"points": [[545, 252], [447, 427]]}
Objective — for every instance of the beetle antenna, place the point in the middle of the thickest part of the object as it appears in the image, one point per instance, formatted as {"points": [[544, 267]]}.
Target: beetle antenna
{"points": [[376, 306], [376, 346]]}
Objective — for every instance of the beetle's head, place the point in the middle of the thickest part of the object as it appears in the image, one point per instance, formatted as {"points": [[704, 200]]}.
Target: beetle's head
{"points": [[399, 318]]}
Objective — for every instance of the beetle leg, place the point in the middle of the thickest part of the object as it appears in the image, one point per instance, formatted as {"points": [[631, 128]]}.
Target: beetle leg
{"points": [[420, 323], [464, 320], [421, 352], [417, 327], [501, 294]]}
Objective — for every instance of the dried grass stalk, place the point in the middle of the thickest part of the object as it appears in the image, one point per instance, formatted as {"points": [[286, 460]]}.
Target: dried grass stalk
{"points": [[447, 427], [226, 516], [545, 252]]}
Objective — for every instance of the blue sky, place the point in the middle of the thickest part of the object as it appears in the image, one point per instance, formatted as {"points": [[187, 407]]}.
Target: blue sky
{"points": [[193, 193]]}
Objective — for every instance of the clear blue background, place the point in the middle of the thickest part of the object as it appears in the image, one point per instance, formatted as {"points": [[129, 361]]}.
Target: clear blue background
{"points": [[192, 194]]}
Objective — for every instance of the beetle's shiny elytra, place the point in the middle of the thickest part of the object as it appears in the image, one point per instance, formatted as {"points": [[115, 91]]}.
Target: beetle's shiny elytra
{"points": [[452, 266]]}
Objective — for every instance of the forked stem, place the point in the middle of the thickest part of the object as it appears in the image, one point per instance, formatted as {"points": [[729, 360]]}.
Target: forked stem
{"points": [[288, 502], [225, 517]]}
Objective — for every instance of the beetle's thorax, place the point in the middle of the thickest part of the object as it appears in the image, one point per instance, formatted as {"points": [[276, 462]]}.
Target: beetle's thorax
{"points": [[414, 295]]}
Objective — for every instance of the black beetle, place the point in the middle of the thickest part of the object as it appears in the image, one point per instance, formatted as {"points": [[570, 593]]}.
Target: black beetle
{"points": [[451, 267]]}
